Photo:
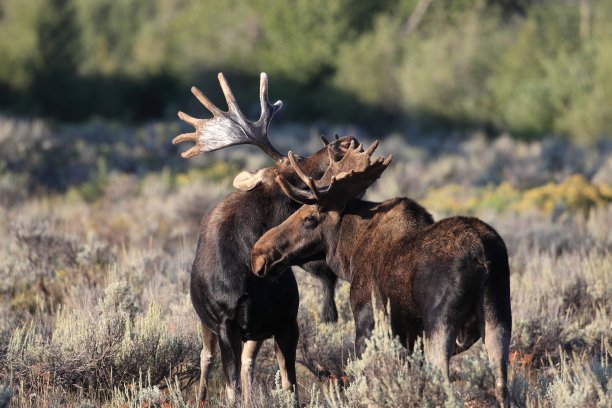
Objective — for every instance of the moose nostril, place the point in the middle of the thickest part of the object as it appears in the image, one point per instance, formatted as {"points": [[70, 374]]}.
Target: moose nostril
{"points": [[258, 265]]}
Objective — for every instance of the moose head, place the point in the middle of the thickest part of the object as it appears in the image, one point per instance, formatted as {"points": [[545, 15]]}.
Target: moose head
{"points": [[305, 235]]}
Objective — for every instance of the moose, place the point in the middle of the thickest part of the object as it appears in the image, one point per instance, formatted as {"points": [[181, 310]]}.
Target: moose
{"points": [[442, 279], [237, 310]]}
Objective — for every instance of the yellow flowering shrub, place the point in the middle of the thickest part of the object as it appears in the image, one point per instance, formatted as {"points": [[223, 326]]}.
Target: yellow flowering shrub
{"points": [[573, 194]]}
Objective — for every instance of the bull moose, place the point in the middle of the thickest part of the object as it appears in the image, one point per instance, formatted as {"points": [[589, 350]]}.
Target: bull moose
{"points": [[440, 279], [237, 310]]}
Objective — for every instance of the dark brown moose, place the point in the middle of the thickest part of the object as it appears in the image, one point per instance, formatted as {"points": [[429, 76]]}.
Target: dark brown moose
{"points": [[237, 310], [439, 278]]}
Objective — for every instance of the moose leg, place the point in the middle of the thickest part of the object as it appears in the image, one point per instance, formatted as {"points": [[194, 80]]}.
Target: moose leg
{"points": [[209, 342], [247, 367], [439, 345], [230, 345], [364, 324], [329, 313], [285, 345], [415, 330], [496, 338]]}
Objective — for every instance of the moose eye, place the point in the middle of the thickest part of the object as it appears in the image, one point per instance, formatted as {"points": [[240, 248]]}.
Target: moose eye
{"points": [[310, 222]]}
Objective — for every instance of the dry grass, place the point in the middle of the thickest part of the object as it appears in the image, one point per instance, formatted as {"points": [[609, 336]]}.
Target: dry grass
{"points": [[94, 303]]}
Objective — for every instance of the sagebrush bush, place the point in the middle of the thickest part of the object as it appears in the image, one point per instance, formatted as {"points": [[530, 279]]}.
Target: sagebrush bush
{"points": [[386, 375], [143, 393], [580, 381], [113, 346]]}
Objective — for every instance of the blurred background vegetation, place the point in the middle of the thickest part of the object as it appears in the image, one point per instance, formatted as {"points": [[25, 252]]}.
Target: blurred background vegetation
{"points": [[528, 67]]}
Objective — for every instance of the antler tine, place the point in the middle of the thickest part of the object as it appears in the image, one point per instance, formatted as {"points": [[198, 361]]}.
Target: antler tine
{"points": [[371, 149], [185, 137], [189, 119], [295, 193], [205, 101], [388, 160], [296, 167], [308, 180], [232, 104], [267, 109], [313, 187]]}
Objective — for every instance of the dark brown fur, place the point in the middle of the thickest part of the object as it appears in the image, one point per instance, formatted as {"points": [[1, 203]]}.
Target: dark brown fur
{"points": [[439, 278], [233, 305], [238, 311]]}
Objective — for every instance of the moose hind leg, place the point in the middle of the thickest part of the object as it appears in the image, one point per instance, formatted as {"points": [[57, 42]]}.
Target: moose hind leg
{"points": [[285, 345], [497, 343], [209, 343], [247, 367], [230, 345], [439, 345]]}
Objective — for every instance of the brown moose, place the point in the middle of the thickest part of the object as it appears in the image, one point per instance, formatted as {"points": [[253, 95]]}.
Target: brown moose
{"points": [[440, 279]]}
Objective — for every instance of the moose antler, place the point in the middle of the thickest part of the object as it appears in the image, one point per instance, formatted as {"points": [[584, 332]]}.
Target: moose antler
{"points": [[343, 180], [230, 128]]}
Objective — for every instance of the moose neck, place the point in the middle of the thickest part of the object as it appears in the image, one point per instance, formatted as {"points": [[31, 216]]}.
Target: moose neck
{"points": [[344, 241], [364, 226]]}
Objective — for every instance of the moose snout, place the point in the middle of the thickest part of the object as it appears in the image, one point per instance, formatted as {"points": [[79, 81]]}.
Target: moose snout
{"points": [[266, 261], [259, 264]]}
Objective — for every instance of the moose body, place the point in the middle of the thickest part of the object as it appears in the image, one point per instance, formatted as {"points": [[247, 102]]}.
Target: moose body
{"points": [[238, 311], [234, 306], [443, 279]]}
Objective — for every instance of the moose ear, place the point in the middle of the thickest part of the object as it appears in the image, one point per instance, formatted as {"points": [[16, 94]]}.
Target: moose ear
{"points": [[248, 180]]}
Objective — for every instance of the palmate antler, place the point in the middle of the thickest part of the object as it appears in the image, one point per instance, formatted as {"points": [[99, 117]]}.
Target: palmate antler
{"points": [[343, 180], [230, 128]]}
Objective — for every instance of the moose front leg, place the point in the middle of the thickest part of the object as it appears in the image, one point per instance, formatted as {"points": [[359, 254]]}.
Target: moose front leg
{"points": [[364, 324], [329, 313], [319, 269], [249, 355]]}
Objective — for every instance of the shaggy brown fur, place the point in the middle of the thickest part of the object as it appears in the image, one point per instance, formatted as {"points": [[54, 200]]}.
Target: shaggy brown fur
{"points": [[438, 278]]}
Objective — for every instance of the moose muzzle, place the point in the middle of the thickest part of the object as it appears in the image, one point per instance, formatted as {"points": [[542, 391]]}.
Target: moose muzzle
{"points": [[268, 262], [259, 264]]}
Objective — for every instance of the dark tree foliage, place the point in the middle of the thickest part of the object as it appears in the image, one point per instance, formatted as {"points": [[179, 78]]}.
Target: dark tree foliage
{"points": [[56, 66], [529, 67]]}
